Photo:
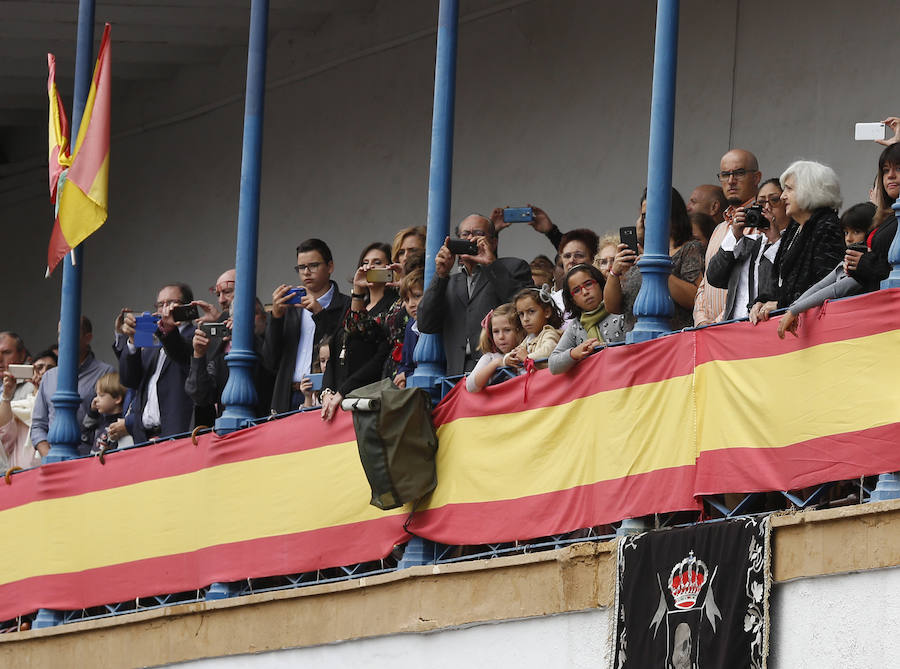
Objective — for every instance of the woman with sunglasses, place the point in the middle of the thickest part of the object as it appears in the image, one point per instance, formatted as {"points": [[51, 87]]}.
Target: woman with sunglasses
{"points": [[591, 325]]}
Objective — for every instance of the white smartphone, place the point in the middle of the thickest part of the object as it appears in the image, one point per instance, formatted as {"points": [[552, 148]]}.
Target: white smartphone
{"points": [[24, 372], [871, 131]]}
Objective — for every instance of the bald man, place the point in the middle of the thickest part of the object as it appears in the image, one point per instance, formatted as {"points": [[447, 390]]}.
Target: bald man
{"points": [[708, 199], [454, 305], [740, 176]]}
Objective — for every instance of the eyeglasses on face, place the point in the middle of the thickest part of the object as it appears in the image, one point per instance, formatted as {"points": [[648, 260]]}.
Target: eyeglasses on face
{"points": [[224, 288], [574, 255], [587, 285], [772, 200], [468, 234], [312, 267], [166, 303], [737, 174]]}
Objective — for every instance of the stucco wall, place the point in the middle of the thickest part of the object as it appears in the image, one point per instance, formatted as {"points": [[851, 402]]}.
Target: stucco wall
{"points": [[552, 108]]}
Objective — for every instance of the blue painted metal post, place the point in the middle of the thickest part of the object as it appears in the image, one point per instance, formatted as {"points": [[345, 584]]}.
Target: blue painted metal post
{"points": [[888, 486], [239, 395], [653, 307], [429, 355], [65, 432]]}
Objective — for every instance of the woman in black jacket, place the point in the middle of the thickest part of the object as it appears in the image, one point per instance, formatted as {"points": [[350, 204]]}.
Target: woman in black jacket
{"points": [[360, 344], [813, 242], [871, 268]]}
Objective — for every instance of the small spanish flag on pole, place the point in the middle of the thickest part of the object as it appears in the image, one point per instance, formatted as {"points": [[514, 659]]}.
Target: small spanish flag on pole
{"points": [[58, 131], [83, 197]]}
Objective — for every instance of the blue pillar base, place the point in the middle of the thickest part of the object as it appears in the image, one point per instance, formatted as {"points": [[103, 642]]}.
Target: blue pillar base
{"points": [[430, 365], [632, 526], [221, 591], [418, 551], [227, 424], [636, 336], [888, 487], [47, 618], [893, 280]]}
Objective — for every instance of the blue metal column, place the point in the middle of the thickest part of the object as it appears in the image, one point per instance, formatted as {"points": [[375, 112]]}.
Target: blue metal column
{"points": [[65, 432], [653, 307], [239, 395], [429, 355], [888, 486]]}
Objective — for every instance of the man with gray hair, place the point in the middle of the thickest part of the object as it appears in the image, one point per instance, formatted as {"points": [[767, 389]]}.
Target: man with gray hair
{"points": [[454, 305]]}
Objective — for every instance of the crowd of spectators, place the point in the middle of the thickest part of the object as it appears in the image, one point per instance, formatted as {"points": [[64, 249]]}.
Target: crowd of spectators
{"points": [[740, 249]]}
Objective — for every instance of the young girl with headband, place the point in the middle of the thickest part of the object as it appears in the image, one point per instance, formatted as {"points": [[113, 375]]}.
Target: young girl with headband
{"points": [[501, 332], [541, 320], [592, 325]]}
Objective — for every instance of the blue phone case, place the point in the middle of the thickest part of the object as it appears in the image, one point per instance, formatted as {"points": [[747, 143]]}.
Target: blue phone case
{"points": [[297, 294], [518, 215], [145, 331], [316, 381]]}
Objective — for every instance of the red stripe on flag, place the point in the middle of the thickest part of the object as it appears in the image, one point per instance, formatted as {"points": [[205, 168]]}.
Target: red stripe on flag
{"points": [[300, 432], [269, 556], [851, 318], [58, 247], [94, 146], [821, 460], [610, 369], [560, 511]]}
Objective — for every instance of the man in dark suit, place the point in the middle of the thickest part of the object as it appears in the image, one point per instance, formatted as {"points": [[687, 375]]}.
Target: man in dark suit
{"points": [[744, 261], [294, 330], [157, 374], [454, 306]]}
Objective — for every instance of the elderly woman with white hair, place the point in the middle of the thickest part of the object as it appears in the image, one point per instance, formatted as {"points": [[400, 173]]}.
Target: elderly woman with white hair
{"points": [[813, 242]]}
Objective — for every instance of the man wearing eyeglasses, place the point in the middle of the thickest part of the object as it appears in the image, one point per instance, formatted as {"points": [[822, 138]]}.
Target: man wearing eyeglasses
{"points": [[294, 330], [740, 176], [157, 373], [454, 305]]}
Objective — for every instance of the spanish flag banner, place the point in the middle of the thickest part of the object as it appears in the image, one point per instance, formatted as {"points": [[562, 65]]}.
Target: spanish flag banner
{"points": [[58, 131], [83, 199], [631, 431], [286, 497]]}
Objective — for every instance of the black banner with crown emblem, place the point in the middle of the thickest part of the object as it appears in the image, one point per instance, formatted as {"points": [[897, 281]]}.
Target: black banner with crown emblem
{"points": [[694, 597]]}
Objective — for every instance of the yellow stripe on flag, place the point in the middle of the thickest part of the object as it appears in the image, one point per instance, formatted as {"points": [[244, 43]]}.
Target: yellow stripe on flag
{"points": [[787, 399], [219, 505], [602, 437]]}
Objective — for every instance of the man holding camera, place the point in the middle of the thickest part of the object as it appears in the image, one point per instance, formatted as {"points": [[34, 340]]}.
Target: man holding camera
{"points": [[301, 316], [746, 258], [157, 373], [454, 305], [740, 176], [209, 369]]}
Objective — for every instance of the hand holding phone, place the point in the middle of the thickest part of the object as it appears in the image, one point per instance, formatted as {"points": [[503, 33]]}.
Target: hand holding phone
{"points": [[518, 215], [21, 372], [296, 295], [379, 275], [460, 247], [184, 312], [628, 236]]}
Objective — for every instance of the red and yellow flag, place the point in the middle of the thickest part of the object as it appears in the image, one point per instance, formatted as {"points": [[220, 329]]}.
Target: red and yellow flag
{"points": [[83, 199], [58, 157]]}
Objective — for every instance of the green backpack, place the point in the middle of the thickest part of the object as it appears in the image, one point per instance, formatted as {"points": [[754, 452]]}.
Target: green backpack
{"points": [[396, 440]]}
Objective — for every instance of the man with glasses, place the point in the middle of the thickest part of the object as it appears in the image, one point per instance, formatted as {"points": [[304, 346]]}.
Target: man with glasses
{"points": [[454, 305], [299, 321], [740, 176], [157, 373]]}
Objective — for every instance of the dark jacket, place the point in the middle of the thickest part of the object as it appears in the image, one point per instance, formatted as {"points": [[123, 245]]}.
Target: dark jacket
{"points": [[874, 267], [136, 370], [447, 309], [283, 337], [806, 255], [724, 271], [359, 347]]}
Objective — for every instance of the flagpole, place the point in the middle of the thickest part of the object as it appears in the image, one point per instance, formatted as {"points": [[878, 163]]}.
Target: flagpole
{"points": [[239, 395], [65, 433]]}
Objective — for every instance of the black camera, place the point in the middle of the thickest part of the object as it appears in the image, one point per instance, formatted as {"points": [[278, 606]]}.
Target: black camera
{"points": [[753, 217], [462, 246]]}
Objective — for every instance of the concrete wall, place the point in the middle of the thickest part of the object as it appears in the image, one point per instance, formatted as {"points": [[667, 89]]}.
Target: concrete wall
{"points": [[552, 108], [818, 623]]}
